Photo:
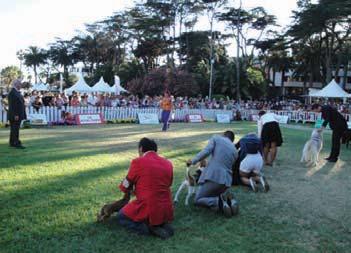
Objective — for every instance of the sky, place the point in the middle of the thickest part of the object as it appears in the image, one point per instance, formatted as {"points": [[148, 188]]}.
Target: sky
{"points": [[25, 23]]}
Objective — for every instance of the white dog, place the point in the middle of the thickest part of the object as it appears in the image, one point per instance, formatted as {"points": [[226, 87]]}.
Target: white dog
{"points": [[191, 181], [312, 148]]}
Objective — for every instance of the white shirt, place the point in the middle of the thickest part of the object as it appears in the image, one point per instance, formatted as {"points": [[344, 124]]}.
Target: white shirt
{"points": [[265, 118]]}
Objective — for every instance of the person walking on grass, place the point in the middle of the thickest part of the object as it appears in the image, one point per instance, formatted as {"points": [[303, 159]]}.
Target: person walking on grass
{"points": [[337, 124], [166, 106], [16, 113], [269, 131]]}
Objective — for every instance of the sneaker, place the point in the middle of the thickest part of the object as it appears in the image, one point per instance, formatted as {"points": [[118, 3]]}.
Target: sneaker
{"points": [[333, 160], [264, 184], [159, 231], [253, 185]]}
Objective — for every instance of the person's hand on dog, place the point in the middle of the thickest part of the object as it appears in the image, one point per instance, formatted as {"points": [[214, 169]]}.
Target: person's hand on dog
{"points": [[189, 163]]}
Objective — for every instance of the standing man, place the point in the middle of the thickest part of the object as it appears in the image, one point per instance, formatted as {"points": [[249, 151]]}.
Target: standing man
{"points": [[16, 113], [337, 123], [166, 106], [216, 179], [149, 177]]}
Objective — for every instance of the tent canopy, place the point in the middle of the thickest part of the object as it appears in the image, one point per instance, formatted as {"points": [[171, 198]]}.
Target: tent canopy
{"points": [[101, 86], [117, 88], [79, 86], [40, 87], [332, 90]]}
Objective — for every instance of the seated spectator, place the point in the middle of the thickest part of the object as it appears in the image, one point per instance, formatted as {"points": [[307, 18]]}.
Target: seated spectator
{"points": [[37, 104], [75, 101], [59, 101], [251, 162], [150, 177], [84, 100], [67, 118]]}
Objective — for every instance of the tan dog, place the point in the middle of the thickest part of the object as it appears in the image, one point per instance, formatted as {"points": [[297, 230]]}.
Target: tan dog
{"points": [[108, 209], [191, 181]]}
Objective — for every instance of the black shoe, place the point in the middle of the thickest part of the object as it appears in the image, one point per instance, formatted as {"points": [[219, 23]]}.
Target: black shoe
{"points": [[327, 158], [169, 228], [333, 160], [159, 231], [19, 147]]}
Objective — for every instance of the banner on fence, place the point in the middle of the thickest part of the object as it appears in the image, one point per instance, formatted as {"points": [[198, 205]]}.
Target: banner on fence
{"points": [[223, 118], [194, 118], [148, 118], [89, 118], [37, 119]]}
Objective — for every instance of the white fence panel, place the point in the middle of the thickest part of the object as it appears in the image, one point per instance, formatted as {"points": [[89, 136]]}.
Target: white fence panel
{"points": [[53, 114]]}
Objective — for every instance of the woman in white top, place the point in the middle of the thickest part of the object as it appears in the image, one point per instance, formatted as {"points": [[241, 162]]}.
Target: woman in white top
{"points": [[269, 131]]}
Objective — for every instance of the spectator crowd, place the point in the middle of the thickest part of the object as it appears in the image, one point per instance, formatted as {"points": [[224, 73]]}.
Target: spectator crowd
{"points": [[40, 99]]}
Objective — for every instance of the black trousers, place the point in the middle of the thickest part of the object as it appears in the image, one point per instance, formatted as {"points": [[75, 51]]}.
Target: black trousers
{"points": [[336, 142], [14, 133]]}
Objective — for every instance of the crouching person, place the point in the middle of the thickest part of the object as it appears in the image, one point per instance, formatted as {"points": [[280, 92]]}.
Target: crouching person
{"points": [[216, 179], [251, 164], [150, 176]]}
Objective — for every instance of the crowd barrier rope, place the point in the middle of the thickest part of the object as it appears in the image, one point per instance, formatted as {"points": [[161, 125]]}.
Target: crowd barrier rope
{"points": [[53, 114]]}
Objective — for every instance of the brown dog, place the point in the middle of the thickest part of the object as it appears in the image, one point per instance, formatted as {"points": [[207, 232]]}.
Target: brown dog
{"points": [[108, 209]]}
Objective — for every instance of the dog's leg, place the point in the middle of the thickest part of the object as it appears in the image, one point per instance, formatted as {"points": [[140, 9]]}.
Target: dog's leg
{"points": [[190, 192], [179, 190]]}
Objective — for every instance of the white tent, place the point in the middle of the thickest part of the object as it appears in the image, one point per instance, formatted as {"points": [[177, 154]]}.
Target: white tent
{"points": [[101, 86], [40, 87], [332, 90], [80, 86], [312, 91], [117, 88]]}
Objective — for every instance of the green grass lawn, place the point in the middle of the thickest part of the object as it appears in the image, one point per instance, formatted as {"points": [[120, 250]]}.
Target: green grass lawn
{"points": [[51, 191]]}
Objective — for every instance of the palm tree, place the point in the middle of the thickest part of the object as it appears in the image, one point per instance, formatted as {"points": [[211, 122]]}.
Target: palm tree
{"points": [[34, 57], [61, 53]]}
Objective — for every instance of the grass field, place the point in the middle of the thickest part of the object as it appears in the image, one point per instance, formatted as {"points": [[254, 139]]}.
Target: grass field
{"points": [[51, 191]]}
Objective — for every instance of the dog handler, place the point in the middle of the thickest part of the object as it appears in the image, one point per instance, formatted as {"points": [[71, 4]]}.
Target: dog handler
{"points": [[337, 123], [149, 177], [216, 179], [269, 131]]}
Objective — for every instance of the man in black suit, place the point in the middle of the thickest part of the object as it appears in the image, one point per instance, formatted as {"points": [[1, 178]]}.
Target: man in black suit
{"points": [[16, 113], [337, 123]]}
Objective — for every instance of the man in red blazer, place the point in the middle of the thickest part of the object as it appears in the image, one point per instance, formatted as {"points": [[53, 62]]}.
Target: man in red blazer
{"points": [[150, 177]]}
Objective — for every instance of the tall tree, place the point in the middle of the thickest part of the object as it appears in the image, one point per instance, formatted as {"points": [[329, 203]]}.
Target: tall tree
{"points": [[34, 57], [9, 74]]}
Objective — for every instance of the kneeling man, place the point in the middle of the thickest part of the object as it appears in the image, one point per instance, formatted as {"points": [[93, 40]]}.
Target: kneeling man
{"points": [[150, 177], [217, 177], [251, 165]]}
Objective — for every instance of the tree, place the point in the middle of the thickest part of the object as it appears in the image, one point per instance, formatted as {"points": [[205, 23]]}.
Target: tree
{"points": [[9, 74], [34, 57], [239, 20], [327, 21], [61, 53]]}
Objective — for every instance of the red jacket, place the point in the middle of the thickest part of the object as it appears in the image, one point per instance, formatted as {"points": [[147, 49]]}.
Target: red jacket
{"points": [[152, 178]]}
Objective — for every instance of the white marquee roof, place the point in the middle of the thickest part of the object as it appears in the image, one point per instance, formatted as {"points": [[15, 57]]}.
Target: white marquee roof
{"points": [[79, 86], [332, 90], [101, 86], [40, 87]]}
